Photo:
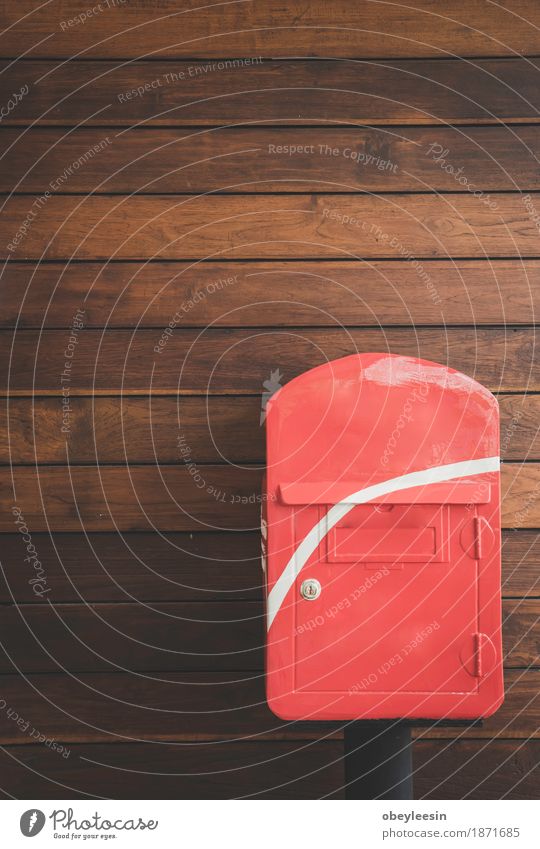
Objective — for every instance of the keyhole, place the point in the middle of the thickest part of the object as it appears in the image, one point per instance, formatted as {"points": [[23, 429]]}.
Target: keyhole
{"points": [[310, 589]]}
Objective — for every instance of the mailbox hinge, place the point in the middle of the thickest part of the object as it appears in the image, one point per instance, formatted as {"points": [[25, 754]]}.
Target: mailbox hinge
{"points": [[478, 650], [478, 523]]}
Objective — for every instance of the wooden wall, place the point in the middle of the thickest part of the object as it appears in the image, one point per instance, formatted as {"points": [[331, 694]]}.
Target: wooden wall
{"points": [[347, 183]]}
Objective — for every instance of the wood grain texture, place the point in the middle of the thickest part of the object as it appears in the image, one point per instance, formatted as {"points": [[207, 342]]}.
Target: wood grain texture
{"points": [[146, 430], [140, 567], [521, 563], [164, 637], [133, 498], [239, 160], [182, 498], [520, 432], [146, 656], [251, 90], [263, 294], [273, 227], [518, 717], [272, 29], [153, 567], [284, 770], [477, 769], [179, 637], [521, 639], [124, 708], [212, 362], [520, 496]]}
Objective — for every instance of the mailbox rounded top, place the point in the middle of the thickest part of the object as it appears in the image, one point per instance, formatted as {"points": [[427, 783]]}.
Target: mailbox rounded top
{"points": [[387, 371], [378, 415]]}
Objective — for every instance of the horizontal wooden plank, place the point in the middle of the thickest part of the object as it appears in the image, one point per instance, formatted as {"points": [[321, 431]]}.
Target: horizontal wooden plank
{"points": [[113, 708], [184, 567], [520, 434], [518, 717], [178, 637], [521, 563], [137, 430], [132, 498], [238, 362], [143, 637], [252, 293], [477, 769], [145, 430], [119, 707], [284, 770], [273, 159], [169, 567], [271, 29], [274, 227], [521, 495], [520, 633], [181, 498], [253, 90], [141, 430]]}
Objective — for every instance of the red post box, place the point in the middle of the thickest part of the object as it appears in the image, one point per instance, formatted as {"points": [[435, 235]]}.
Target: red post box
{"points": [[381, 543]]}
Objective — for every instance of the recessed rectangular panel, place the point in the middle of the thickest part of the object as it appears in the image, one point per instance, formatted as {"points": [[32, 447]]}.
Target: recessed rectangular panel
{"points": [[391, 533], [404, 544]]}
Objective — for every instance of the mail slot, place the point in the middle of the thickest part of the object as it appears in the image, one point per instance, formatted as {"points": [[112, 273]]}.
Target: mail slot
{"points": [[381, 543]]}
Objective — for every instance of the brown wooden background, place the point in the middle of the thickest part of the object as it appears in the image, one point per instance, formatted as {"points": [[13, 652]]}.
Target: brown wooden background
{"points": [[145, 658]]}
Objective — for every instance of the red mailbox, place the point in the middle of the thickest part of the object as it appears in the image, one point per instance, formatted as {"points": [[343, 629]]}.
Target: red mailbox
{"points": [[381, 543]]}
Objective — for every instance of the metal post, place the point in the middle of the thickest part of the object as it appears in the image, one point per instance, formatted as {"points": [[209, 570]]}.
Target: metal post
{"points": [[378, 763]]}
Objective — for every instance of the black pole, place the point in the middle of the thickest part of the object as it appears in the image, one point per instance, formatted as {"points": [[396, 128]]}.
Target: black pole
{"points": [[378, 763]]}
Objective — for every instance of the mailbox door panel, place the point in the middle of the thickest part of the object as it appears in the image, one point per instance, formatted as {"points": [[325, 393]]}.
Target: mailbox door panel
{"points": [[405, 620]]}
